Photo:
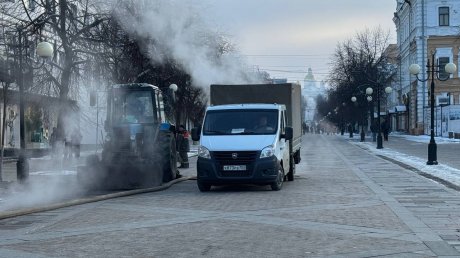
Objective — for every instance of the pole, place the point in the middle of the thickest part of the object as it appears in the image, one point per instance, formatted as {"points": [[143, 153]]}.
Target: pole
{"points": [[379, 135], [362, 130], [441, 122], [97, 122], [432, 148], [22, 165]]}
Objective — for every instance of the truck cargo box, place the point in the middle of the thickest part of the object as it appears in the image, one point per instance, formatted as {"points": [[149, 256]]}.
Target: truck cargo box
{"points": [[288, 94]]}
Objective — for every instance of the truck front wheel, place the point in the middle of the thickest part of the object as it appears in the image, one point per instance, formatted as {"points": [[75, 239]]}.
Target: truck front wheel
{"points": [[278, 184], [203, 187]]}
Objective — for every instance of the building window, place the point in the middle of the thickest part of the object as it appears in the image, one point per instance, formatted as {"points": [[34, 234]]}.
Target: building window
{"points": [[442, 61], [443, 16]]}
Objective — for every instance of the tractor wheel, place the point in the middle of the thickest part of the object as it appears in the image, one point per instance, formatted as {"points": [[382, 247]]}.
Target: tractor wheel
{"points": [[169, 158]]}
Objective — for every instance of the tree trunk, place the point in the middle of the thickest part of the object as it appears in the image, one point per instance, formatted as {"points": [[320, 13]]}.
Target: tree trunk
{"points": [[2, 152]]}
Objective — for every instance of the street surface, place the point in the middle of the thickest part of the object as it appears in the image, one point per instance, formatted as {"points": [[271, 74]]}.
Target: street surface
{"points": [[345, 202]]}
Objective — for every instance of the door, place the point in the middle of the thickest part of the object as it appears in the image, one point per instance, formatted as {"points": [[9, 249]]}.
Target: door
{"points": [[284, 145]]}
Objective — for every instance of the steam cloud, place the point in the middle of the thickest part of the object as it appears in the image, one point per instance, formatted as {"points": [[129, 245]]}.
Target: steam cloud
{"points": [[177, 31]]}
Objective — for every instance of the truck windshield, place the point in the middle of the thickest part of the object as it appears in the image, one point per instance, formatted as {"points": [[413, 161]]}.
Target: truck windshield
{"points": [[133, 107], [237, 122]]}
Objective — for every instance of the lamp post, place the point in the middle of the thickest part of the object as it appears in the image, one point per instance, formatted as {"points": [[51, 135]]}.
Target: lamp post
{"points": [[433, 72], [350, 126], [342, 126], [43, 50], [369, 92], [369, 100], [173, 88], [362, 134], [354, 99]]}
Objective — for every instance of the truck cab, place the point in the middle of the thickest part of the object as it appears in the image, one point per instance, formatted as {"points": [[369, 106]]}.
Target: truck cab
{"points": [[243, 144]]}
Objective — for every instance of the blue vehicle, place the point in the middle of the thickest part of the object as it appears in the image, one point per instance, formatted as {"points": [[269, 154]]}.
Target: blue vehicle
{"points": [[140, 146]]}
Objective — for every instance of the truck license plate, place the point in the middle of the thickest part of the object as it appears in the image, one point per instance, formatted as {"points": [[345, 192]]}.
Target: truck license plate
{"points": [[234, 167]]}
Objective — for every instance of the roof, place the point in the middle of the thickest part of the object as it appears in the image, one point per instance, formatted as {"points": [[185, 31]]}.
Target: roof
{"points": [[134, 85], [245, 106]]}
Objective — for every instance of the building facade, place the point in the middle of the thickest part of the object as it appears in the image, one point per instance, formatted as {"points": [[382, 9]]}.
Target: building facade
{"points": [[426, 28]]}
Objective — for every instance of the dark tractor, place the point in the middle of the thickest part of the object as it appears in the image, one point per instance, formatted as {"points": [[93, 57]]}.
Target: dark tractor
{"points": [[140, 146]]}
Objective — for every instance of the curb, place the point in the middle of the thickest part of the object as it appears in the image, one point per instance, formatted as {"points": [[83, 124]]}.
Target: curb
{"points": [[11, 214]]}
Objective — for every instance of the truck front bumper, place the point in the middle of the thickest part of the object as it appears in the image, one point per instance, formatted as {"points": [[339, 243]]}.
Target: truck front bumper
{"points": [[260, 172]]}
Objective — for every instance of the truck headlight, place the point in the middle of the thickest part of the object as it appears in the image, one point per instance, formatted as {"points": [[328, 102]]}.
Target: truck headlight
{"points": [[267, 152], [203, 153]]}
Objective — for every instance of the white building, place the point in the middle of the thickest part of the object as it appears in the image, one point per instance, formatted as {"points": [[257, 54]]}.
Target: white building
{"points": [[424, 28], [311, 90]]}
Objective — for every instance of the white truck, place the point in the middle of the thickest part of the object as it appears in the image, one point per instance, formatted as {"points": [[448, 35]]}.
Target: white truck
{"points": [[251, 134]]}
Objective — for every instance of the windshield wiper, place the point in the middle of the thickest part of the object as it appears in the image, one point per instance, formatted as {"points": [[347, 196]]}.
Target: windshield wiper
{"points": [[215, 132]]}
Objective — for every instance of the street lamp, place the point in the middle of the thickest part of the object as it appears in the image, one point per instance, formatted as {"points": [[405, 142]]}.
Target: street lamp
{"points": [[173, 88], [342, 126], [354, 99], [43, 50], [369, 92], [433, 72], [362, 134]]}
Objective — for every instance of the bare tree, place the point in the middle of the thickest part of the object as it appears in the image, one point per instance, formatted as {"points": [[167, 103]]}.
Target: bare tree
{"points": [[69, 24], [358, 63]]}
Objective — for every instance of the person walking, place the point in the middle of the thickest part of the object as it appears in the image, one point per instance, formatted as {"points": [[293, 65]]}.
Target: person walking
{"points": [[53, 142], [75, 140], [183, 146], [385, 129]]}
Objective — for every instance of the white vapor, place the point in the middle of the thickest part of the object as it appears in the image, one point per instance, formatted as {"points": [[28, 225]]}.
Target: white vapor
{"points": [[176, 30]]}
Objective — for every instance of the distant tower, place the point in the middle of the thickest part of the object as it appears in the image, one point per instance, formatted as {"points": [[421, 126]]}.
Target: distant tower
{"points": [[310, 91]]}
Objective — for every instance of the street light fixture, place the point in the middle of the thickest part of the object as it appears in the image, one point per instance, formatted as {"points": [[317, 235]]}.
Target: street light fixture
{"points": [[354, 99], [173, 88], [433, 72], [370, 91], [44, 50], [342, 132], [362, 134]]}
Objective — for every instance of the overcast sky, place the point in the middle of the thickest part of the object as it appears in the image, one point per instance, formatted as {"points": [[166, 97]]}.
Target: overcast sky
{"points": [[292, 35]]}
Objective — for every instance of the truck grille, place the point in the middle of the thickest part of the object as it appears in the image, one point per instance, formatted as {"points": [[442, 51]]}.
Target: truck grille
{"points": [[242, 158]]}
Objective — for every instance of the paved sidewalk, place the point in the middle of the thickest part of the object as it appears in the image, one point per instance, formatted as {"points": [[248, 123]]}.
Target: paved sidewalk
{"points": [[345, 202], [411, 152], [447, 152]]}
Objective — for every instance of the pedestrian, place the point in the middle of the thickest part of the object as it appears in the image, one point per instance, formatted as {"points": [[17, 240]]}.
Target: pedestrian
{"points": [[350, 130], [75, 140], [385, 130], [183, 146], [374, 129], [67, 148], [53, 141]]}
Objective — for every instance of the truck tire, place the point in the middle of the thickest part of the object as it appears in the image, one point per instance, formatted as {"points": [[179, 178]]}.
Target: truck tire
{"points": [[203, 186], [278, 184], [290, 175], [169, 158]]}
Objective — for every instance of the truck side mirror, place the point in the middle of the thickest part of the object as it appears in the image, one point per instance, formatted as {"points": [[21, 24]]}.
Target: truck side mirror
{"points": [[196, 133], [289, 132]]}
